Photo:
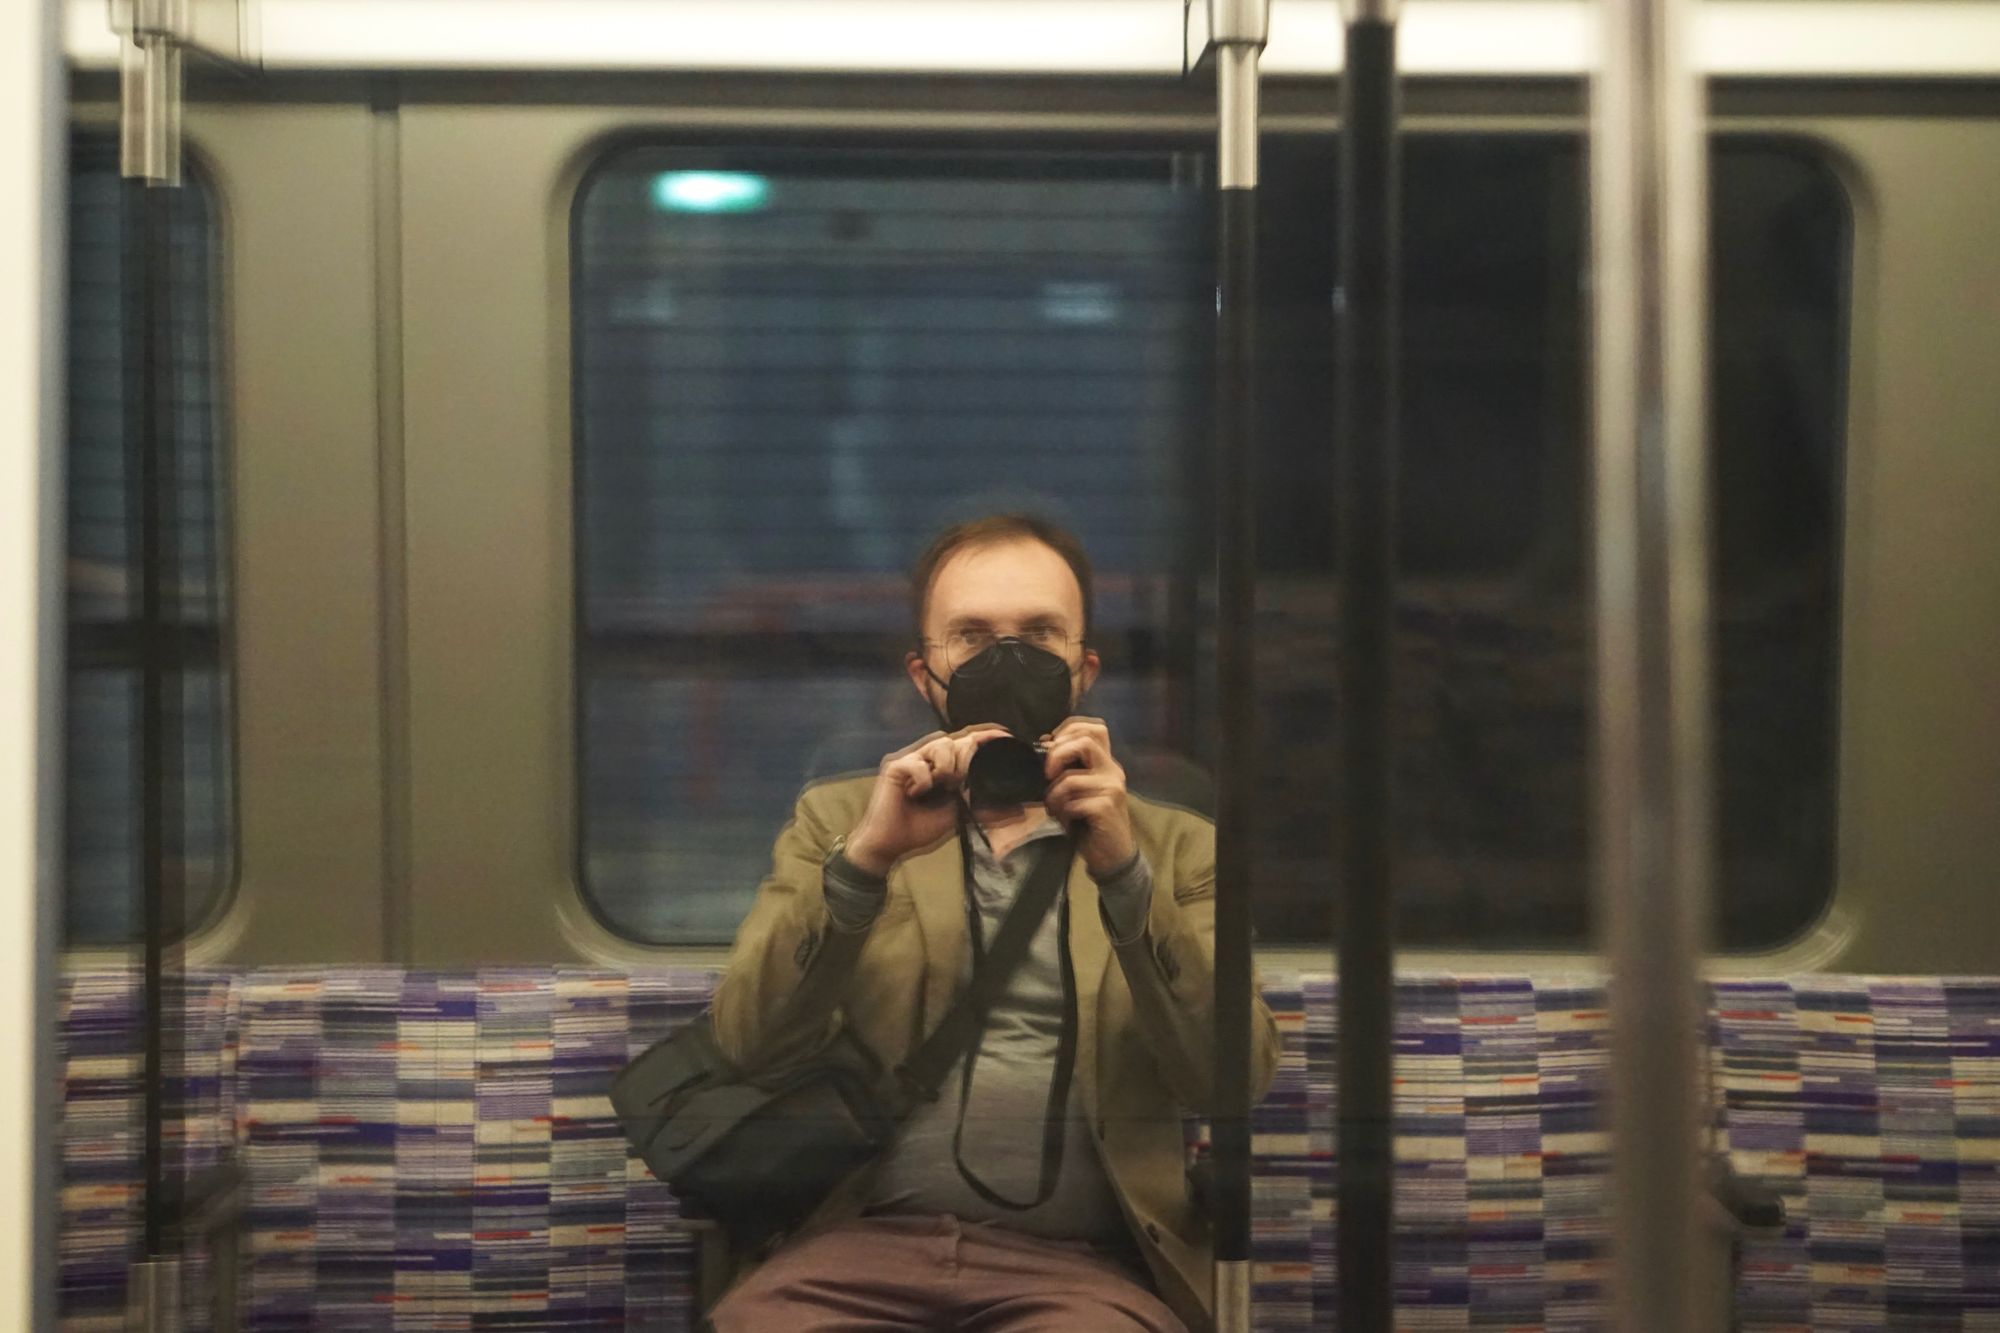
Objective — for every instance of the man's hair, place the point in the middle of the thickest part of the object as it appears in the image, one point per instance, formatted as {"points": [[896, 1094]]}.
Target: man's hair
{"points": [[996, 530]]}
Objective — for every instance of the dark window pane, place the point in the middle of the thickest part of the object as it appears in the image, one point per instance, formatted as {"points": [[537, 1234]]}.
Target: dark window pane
{"points": [[102, 806], [1783, 245], [776, 406], [1493, 637], [102, 832], [803, 391]]}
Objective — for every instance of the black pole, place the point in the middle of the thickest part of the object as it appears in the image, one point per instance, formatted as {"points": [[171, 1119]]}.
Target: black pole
{"points": [[1238, 30], [1365, 470], [154, 488], [1236, 674]]}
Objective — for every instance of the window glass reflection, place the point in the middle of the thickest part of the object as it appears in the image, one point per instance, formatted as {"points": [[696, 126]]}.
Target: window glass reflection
{"points": [[792, 368], [102, 795]]}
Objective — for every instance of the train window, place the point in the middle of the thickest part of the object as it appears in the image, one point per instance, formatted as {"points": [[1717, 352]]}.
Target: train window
{"points": [[791, 367], [1493, 672], [103, 779]]}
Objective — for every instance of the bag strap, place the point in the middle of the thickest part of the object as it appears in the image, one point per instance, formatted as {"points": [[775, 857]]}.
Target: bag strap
{"points": [[924, 1072]]}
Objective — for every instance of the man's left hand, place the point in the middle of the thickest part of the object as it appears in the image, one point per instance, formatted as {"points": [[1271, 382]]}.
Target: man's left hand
{"points": [[1087, 793]]}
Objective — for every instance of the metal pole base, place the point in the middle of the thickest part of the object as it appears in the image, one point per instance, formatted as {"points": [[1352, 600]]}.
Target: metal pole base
{"points": [[1232, 1296], [153, 1297]]}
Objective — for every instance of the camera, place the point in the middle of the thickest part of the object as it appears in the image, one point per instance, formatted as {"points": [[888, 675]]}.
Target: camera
{"points": [[1006, 771]]}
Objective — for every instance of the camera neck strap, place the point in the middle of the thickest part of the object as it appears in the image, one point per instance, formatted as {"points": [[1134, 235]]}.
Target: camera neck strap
{"points": [[923, 1073]]}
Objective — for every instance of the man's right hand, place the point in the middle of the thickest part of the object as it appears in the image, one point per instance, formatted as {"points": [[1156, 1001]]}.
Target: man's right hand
{"points": [[914, 803]]}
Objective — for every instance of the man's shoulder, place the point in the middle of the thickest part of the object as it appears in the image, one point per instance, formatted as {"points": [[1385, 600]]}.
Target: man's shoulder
{"points": [[1165, 822], [836, 801], [1166, 812]]}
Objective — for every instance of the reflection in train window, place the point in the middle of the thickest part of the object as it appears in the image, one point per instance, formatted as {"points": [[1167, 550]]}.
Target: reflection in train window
{"points": [[102, 846], [791, 368]]}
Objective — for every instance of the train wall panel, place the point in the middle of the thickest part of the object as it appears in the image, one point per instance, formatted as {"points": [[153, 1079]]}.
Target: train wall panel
{"points": [[484, 577]]}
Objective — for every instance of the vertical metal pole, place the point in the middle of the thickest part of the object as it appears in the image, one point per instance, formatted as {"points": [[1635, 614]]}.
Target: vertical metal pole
{"points": [[392, 493], [1365, 433], [1237, 30], [1653, 817], [150, 157], [150, 450]]}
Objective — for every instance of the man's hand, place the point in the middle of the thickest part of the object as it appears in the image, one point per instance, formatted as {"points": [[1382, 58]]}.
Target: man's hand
{"points": [[1087, 793], [913, 804]]}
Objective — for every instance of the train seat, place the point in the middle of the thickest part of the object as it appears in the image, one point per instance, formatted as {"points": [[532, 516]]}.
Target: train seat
{"points": [[433, 1150], [441, 1143], [1872, 1106], [100, 1155]]}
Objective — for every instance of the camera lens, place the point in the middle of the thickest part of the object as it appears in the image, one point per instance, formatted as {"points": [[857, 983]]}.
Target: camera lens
{"points": [[1007, 771]]}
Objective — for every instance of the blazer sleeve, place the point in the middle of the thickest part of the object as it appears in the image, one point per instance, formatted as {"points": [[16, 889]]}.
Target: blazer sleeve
{"points": [[1170, 969], [779, 998]]}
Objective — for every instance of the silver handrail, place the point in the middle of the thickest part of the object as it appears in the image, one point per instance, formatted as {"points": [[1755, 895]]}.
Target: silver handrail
{"points": [[150, 161], [1653, 818]]}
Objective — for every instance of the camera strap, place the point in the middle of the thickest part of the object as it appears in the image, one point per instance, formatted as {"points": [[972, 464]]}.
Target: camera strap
{"points": [[963, 1025]]}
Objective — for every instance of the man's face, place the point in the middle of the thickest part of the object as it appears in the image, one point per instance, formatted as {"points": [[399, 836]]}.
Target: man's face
{"points": [[1010, 588]]}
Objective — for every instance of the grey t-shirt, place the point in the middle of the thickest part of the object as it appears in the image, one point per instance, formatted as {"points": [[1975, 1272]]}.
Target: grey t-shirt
{"points": [[1002, 1143]]}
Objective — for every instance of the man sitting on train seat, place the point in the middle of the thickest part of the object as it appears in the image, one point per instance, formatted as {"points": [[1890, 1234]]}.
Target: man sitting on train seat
{"points": [[1045, 1187]]}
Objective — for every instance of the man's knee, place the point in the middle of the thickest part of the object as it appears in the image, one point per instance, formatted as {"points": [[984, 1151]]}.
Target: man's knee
{"points": [[860, 1276], [1106, 1302], [1069, 1313]]}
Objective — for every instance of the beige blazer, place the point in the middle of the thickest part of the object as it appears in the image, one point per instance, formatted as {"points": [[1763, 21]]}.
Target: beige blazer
{"points": [[1144, 1021]]}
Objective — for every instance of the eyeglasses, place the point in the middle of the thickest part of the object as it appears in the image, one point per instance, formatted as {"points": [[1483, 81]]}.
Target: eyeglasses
{"points": [[962, 645]]}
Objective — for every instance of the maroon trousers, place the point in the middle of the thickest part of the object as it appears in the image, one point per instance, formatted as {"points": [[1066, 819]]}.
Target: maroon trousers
{"points": [[930, 1273]]}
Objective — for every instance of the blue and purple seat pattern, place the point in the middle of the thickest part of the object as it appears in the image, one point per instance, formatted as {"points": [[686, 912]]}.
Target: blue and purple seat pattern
{"points": [[1873, 1106], [100, 1173], [433, 1151]]}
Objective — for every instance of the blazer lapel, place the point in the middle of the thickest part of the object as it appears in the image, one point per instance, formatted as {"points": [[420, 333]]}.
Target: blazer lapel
{"points": [[937, 889]]}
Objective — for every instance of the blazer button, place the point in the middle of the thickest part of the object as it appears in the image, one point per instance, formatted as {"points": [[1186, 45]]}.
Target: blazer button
{"points": [[1100, 1130], [1153, 1232]]}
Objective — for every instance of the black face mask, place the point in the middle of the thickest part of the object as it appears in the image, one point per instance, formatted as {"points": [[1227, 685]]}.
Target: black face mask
{"points": [[1022, 688]]}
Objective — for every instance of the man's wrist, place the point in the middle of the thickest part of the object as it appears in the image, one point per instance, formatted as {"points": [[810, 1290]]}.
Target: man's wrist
{"points": [[868, 860], [853, 896], [1125, 897], [1117, 870]]}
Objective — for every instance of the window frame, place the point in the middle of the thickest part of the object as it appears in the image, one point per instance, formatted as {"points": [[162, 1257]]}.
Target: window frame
{"points": [[1817, 933], [857, 651], [207, 645]]}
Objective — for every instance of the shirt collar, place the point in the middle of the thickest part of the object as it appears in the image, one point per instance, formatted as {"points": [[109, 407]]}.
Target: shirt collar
{"points": [[1048, 828]]}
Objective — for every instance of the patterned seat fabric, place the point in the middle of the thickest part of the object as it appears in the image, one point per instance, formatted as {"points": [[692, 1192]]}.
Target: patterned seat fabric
{"points": [[1500, 1157], [1873, 1106], [434, 1151], [99, 1165]]}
